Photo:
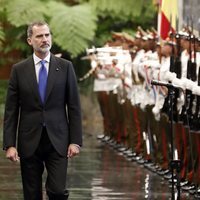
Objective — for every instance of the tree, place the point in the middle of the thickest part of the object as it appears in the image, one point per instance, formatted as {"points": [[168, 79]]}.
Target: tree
{"points": [[2, 34], [122, 15], [75, 24]]}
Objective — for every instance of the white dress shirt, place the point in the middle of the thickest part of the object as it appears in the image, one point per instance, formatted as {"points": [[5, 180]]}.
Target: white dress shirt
{"points": [[38, 64]]}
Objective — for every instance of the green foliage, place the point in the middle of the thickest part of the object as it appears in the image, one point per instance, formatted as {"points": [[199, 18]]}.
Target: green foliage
{"points": [[21, 12], [2, 12], [118, 8], [16, 39], [72, 27], [150, 13], [148, 16], [2, 36], [2, 3], [121, 15], [75, 24], [3, 89]]}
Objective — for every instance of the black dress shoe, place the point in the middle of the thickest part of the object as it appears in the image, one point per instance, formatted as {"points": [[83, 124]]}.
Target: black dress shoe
{"points": [[141, 161], [158, 168], [196, 193], [149, 164], [136, 158], [128, 151], [53, 196], [100, 137], [168, 176], [112, 143], [183, 183], [163, 172], [197, 196], [131, 155], [122, 149], [193, 191], [175, 180], [106, 138], [188, 187], [118, 146], [151, 167]]}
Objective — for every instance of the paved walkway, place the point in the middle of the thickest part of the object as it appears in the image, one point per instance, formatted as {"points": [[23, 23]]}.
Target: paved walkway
{"points": [[99, 173]]}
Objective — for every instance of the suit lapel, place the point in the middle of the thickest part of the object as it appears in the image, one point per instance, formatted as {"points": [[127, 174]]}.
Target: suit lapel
{"points": [[53, 66], [32, 80], [31, 77]]}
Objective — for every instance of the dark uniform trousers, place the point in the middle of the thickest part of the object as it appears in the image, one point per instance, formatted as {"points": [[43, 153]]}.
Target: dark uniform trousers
{"points": [[32, 169]]}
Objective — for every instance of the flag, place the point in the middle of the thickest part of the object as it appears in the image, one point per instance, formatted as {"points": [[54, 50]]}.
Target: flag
{"points": [[167, 17]]}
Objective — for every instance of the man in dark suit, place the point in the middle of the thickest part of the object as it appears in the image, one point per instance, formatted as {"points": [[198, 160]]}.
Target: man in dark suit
{"points": [[43, 116]]}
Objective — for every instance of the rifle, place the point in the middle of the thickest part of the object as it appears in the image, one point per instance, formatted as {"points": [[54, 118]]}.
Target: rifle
{"points": [[197, 110], [193, 76], [186, 115], [175, 66], [166, 107], [195, 99]]}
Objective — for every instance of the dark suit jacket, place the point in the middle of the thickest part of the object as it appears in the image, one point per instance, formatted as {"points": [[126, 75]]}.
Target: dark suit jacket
{"points": [[25, 114]]}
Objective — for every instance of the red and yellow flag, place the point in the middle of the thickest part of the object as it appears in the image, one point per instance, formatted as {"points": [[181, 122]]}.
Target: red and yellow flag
{"points": [[167, 18]]}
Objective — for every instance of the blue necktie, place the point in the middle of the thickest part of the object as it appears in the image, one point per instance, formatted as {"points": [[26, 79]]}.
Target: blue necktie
{"points": [[42, 82]]}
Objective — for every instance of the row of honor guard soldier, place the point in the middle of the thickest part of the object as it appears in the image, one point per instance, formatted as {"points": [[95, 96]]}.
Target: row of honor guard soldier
{"points": [[135, 113]]}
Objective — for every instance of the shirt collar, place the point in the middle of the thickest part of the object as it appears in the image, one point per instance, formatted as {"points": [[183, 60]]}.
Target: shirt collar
{"points": [[37, 59]]}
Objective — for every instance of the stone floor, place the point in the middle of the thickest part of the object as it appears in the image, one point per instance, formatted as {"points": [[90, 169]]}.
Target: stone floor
{"points": [[98, 173]]}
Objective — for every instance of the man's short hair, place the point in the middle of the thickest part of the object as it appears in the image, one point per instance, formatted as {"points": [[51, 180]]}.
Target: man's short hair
{"points": [[30, 27]]}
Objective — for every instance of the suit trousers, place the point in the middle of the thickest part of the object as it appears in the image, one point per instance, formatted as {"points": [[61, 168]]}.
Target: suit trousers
{"points": [[32, 169]]}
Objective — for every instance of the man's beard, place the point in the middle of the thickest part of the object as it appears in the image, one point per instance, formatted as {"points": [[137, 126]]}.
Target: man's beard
{"points": [[43, 49]]}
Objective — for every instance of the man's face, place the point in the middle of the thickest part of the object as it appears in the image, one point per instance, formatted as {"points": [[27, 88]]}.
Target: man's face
{"points": [[40, 40], [185, 44], [166, 50]]}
